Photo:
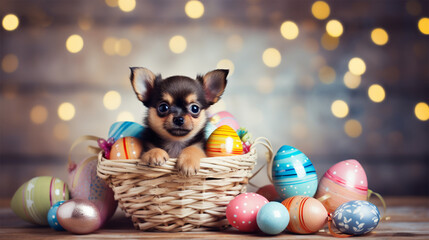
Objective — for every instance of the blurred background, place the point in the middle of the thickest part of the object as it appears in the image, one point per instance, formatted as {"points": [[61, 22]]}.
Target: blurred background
{"points": [[336, 79]]}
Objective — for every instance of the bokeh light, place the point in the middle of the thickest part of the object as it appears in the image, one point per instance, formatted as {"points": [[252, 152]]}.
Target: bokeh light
{"points": [[413, 7], [424, 25], [328, 42], [299, 130], [334, 28], [127, 5], [85, 23], [421, 110], [289, 30], [112, 100], [353, 128], [271, 57], [235, 43], [9, 63], [177, 44], [61, 131], [376, 93], [194, 9], [10, 22], [327, 75], [66, 111], [226, 64], [339, 108], [320, 10], [38, 114], [123, 47], [125, 116], [112, 3], [109, 46], [265, 85], [352, 81], [74, 43], [357, 66], [379, 36]]}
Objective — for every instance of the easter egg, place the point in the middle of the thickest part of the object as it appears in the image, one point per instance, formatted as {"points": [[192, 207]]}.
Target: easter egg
{"points": [[307, 214], [210, 127], [126, 148], [343, 182], [79, 216], [293, 173], [224, 141], [52, 217], [269, 192], [125, 129], [85, 184], [272, 218], [241, 212], [33, 199], [356, 217], [224, 118]]}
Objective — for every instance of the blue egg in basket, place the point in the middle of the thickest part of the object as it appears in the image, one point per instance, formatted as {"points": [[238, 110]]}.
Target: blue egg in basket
{"points": [[125, 129], [293, 173]]}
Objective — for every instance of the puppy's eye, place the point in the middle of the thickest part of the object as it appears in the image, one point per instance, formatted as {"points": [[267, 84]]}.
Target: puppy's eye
{"points": [[163, 108], [194, 108]]}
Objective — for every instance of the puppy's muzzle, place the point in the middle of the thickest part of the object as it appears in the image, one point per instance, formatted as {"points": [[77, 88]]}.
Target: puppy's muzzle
{"points": [[178, 121]]}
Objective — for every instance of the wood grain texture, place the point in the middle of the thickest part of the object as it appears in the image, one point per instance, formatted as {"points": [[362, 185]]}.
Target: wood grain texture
{"points": [[409, 219]]}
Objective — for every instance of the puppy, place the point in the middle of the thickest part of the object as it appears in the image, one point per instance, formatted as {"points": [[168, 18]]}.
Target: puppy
{"points": [[176, 116]]}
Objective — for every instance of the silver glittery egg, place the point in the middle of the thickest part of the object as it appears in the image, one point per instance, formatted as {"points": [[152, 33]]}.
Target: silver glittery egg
{"points": [[79, 216]]}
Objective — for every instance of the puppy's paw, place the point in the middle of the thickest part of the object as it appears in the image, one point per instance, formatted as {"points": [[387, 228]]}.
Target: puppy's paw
{"points": [[188, 163], [155, 157]]}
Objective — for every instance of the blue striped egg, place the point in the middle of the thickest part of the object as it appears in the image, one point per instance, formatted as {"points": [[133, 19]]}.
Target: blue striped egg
{"points": [[125, 129], [293, 173], [356, 217]]}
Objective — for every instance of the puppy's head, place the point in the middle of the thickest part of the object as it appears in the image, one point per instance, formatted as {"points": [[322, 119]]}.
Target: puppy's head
{"points": [[177, 105]]}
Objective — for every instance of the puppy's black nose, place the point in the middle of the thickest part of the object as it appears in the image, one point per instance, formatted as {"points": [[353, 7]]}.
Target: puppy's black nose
{"points": [[179, 121]]}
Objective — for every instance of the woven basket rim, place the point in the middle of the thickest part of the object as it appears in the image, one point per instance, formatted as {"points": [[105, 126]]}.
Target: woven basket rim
{"points": [[223, 165]]}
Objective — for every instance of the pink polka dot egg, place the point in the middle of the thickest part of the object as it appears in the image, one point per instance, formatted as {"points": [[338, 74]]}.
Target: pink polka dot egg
{"points": [[241, 212]]}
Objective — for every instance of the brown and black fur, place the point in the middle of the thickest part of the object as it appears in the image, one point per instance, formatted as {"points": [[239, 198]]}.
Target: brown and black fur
{"points": [[177, 132]]}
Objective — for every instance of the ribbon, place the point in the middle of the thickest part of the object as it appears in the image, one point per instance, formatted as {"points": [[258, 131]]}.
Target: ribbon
{"points": [[370, 193]]}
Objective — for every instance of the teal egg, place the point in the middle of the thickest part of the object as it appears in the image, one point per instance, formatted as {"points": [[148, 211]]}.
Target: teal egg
{"points": [[293, 173], [125, 129], [273, 218]]}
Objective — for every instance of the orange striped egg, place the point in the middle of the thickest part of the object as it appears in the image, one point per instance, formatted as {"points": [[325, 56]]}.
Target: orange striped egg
{"points": [[307, 214], [224, 141], [126, 148]]}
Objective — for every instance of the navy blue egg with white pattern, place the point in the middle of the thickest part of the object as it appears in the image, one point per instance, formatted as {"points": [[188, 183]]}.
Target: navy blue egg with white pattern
{"points": [[356, 217], [293, 173]]}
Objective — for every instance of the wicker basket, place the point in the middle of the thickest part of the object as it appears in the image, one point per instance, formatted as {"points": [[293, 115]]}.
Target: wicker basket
{"points": [[157, 198]]}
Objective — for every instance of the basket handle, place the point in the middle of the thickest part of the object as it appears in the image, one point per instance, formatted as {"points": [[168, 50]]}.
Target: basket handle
{"points": [[266, 143], [91, 149]]}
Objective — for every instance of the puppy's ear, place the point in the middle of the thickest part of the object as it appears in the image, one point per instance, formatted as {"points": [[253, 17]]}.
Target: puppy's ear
{"points": [[214, 84], [143, 81]]}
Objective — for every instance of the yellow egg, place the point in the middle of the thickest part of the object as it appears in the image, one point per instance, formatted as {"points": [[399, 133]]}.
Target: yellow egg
{"points": [[126, 148], [224, 141], [34, 198]]}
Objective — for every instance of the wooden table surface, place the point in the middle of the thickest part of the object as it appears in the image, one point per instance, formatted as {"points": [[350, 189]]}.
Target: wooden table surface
{"points": [[408, 219]]}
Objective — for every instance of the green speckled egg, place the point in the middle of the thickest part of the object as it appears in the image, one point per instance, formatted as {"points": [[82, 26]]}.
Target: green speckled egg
{"points": [[33, 199]]}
